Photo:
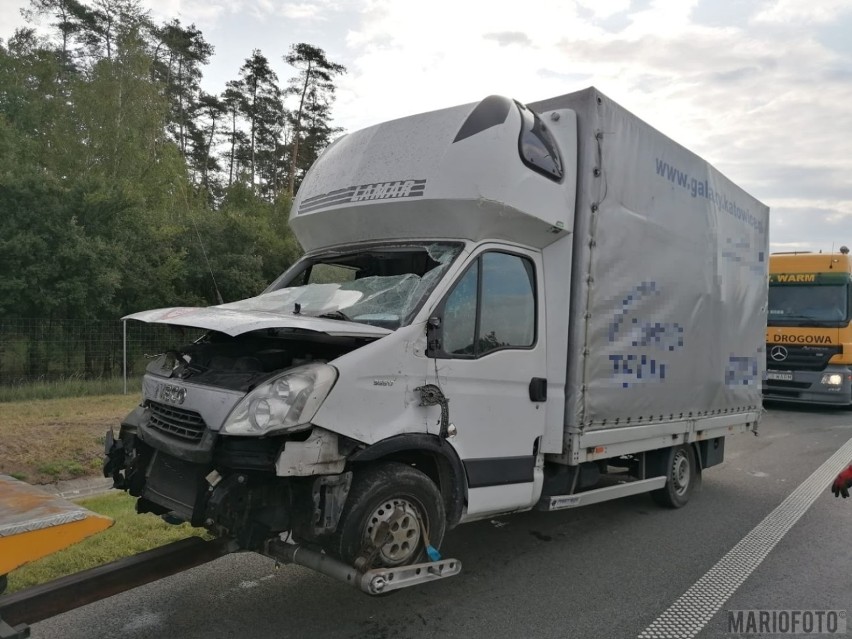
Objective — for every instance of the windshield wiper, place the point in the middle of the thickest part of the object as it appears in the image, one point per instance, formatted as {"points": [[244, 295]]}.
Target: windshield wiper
{"points": [[792, 317], [336, 315], [805, 318]]}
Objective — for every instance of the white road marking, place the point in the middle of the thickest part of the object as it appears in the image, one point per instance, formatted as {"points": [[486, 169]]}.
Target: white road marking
{"points": [[688, 615]]}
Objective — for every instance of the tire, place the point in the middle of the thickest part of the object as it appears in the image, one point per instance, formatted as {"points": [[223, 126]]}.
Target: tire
{"points": [[397, 493], [681, 477]]}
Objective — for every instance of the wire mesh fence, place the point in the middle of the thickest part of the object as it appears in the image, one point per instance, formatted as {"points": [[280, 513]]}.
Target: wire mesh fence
{"points": [[45, 350]]}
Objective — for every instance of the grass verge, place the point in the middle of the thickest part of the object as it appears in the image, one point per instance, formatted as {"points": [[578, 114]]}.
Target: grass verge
{"points": [[68, 387], [129, 535], [45, 441]]}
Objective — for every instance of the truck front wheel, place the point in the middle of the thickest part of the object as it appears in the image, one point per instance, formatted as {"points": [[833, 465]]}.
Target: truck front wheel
{"points": [[392, 512], [681, 477]]}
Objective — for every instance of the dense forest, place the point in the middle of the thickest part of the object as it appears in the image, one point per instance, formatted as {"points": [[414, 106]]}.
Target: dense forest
{"points": [[123, 185]]}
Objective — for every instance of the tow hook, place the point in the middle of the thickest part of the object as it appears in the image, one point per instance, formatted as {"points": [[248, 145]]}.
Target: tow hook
{"points": [[381, 580], [373, 582]]}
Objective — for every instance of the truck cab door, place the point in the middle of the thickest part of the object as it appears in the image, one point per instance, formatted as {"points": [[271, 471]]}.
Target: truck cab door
{"points": [[488, 344]]}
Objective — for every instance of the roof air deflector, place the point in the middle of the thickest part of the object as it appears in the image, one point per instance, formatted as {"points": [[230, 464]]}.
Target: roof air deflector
{"points": [[492, 111]]}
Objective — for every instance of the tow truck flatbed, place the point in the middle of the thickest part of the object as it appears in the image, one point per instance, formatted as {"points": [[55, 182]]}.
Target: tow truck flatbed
{"points": [[34, 523]]}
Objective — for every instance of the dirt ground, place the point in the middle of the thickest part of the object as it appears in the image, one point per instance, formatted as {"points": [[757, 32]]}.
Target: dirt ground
{"points": [[44, 441]]}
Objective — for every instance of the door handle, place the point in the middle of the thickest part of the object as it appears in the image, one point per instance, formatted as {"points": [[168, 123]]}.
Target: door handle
{"points": [[538, 389]]}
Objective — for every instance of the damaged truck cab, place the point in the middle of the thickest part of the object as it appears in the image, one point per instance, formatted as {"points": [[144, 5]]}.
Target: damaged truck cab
{"points": [[236, 432], [500, 307]]}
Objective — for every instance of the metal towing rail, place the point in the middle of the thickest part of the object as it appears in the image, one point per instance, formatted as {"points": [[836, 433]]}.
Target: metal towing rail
{"points": [[20, 609]]}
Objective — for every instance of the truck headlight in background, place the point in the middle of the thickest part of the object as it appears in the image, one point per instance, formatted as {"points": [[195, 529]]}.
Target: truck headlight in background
{"points": [[832, 379], [282, 403]]}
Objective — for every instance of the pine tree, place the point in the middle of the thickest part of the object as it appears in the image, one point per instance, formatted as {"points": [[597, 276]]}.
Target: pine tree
{"points": [[261, 105], [314, 86], [179, 55]]}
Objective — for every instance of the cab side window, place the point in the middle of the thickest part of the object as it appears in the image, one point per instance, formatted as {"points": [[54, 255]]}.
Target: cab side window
{"points": [[459, 321], [492, 307]]}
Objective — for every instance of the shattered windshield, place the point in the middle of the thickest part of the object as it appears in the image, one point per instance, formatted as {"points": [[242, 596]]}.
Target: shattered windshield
{"points": [[383, 285]]}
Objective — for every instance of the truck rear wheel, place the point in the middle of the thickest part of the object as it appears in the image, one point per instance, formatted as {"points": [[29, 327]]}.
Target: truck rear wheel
{"points": [[681, 477], [390, 513]]}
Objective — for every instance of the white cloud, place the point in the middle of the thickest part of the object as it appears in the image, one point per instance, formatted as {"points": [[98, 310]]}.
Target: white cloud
{"points": [[508, 38], [202, 13], [662, 16], [799, 11], [810, 226], [301, 11], [10, 18], [604, 8], [408, 61]]}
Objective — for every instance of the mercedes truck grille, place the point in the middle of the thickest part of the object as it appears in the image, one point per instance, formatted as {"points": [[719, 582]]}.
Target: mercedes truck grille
{"points": [[184, 424], [799, 358]]}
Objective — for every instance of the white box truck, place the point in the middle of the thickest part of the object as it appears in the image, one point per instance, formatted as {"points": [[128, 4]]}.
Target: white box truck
{"points": [[500, 307]]}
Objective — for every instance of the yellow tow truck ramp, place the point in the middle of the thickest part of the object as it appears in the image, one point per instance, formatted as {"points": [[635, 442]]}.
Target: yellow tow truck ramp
{"points": [[34, 523]]}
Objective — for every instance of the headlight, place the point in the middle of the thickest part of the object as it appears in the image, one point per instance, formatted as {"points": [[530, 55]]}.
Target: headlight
{"points": [[832, 379], [282, 403]]}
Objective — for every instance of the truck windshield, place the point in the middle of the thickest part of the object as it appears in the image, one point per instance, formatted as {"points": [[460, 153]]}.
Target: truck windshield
{"points": [[801, 305], [380, 285]]}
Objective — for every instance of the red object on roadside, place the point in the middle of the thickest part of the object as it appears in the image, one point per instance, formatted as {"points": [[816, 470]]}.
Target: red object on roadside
{"points": [[841, 485]]}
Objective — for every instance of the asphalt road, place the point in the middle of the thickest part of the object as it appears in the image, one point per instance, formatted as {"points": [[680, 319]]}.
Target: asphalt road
{"points": [[608, 570]]}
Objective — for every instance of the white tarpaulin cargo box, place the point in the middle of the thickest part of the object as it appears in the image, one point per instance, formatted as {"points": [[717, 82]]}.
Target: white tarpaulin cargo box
{"points": [[670, 261]]}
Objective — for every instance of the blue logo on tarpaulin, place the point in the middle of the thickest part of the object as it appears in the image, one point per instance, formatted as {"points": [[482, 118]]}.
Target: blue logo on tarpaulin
{"points": [[740, 251], [741, 371], [636, 366]]}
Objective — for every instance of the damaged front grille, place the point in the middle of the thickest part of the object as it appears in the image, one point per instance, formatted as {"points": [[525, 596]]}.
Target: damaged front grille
{"points": [[181, 423]]}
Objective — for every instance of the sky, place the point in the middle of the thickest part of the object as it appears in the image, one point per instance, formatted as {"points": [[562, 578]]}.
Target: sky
{"points": [[762, 89]]}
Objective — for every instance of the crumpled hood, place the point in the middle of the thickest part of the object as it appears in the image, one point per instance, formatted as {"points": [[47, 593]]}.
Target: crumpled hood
{"points": [[236, 322]]}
